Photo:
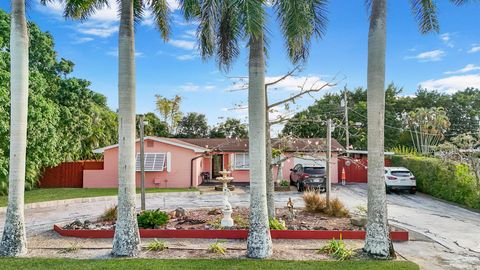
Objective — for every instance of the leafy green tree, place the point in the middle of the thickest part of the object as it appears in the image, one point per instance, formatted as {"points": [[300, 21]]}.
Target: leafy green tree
{"points": [[169, 110], [155, 126], [193, 125], [66, 120], [230, 128]]}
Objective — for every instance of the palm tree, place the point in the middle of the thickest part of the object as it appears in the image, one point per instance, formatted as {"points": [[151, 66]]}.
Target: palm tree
{"points": [[14, 242], [222, 25], [126, 241], [377, 242]]}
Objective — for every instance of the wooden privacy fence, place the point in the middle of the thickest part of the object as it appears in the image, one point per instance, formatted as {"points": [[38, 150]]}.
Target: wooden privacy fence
{"points": [[357, 171], [68, 174]]}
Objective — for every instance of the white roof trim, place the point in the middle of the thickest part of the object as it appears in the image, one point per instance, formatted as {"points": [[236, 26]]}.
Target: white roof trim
{"points": [[192, 147], [365, 152]]}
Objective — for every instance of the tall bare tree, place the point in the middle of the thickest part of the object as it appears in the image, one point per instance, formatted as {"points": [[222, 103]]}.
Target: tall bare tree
{"points": [[14, 242]]}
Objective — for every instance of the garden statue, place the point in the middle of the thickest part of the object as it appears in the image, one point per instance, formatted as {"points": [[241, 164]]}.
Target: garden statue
{"points": [[227, 220], [291, 213]]}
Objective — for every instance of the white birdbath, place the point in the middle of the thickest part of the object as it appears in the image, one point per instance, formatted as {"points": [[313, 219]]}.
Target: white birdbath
{"points": [[227, 220]]}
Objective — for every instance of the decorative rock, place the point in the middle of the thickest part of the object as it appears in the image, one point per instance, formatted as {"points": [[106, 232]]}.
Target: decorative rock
{"points": [[359, 221], [214, 212], [180, 212]]}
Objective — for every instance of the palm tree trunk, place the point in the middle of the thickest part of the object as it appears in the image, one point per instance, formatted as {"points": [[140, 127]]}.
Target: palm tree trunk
{"points": [[259, 242], [377, 241], [268, 163], [127, 239], [14, 242]]}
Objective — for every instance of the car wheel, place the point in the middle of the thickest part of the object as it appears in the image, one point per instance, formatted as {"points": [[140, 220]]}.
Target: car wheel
{"points": [[413, 190], [299, 187], [388, 190], [291, 181]]}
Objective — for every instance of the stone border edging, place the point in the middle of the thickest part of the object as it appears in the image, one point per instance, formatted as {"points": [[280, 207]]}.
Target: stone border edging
{"points": [[90, 199], [230, 234]]}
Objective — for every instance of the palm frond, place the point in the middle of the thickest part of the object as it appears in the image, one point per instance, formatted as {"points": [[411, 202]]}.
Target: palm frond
{"points": [[161, 13], [190, 8], [138, 10], [82, 9], [462, 2], [209, 13], [300, 20], [228, 35], [252, 16], [425, 12]]}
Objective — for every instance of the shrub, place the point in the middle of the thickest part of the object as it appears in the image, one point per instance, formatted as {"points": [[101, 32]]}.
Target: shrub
{"points": [[337, 249], [314, 202], [276, 224], [157, 245], [443, 179], [110, 214], [151, 219], [284, 183], [217, 248], [336, 209]]}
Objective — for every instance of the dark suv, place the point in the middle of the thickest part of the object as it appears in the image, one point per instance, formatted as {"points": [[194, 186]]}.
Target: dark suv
{"points": [[308, 177]]}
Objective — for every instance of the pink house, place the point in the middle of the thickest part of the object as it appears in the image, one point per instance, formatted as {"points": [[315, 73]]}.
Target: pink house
{"points": [[180, 163]]}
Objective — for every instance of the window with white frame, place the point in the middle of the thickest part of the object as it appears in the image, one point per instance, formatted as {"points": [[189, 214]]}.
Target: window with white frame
{"points": [[242, 161], [154, 162]]}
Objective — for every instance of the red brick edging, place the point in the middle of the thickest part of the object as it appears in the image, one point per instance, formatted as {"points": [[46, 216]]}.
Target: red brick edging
{"points": [[229, 234]]}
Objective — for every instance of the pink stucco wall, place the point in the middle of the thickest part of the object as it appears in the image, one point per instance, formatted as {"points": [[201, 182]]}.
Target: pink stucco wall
{"points": [[179, 176]]}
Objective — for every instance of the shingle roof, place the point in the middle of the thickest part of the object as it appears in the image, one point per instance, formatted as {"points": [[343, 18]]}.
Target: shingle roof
{"points": [[288, 145]]}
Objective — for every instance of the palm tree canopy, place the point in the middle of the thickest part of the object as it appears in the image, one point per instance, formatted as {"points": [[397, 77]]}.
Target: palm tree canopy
{"points": [[223, 23], [83, 9], [424, 11]]}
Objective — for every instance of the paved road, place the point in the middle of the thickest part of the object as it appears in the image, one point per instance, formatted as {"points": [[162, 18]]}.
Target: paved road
{"points": [[455, 230]]}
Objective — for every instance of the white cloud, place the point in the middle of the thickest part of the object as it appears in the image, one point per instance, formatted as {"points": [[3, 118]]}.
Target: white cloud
{"points": [[189, 34], [453, 83], [447, 39], [295, 83], [102, 30], [187, 57], [189, 87], [467, 68], [435, 55], [183, 44], [475, 48], [82, 40]]}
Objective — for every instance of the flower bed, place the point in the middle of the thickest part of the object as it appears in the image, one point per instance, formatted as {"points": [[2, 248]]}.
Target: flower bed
{"points": [[205, 223]]}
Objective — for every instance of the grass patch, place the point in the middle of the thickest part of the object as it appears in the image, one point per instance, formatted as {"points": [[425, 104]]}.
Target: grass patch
{"points": [[53, 194], [147, 264]]}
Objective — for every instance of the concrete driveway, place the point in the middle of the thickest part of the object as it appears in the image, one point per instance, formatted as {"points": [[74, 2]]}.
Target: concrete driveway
{"points": [[454, 231]]}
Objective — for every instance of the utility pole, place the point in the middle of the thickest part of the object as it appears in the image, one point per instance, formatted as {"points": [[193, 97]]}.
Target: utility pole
{"points": [[347, 134], [142, 161], [329, 154]]}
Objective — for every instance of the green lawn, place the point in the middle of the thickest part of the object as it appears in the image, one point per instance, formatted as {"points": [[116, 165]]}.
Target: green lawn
{"points": [[145, 264], [52, 194]]}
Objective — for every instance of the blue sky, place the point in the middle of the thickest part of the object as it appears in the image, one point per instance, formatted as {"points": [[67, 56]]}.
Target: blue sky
{"points": [[447, 61]]}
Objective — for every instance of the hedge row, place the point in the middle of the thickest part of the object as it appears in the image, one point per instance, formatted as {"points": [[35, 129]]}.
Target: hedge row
{"points": [[442, 179]]}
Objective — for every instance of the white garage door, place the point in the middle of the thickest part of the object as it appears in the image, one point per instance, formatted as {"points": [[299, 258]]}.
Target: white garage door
{"points": [[310, 161]]}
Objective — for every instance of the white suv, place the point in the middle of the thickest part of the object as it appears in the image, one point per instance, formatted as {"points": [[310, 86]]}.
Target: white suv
{"points": [[400, 178]]}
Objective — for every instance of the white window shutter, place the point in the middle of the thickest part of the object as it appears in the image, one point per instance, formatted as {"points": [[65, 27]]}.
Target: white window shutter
{"points": [[230, 162], [169, 162]]}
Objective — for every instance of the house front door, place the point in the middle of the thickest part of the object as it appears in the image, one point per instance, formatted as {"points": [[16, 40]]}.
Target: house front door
{"points": [[217, 165]]}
